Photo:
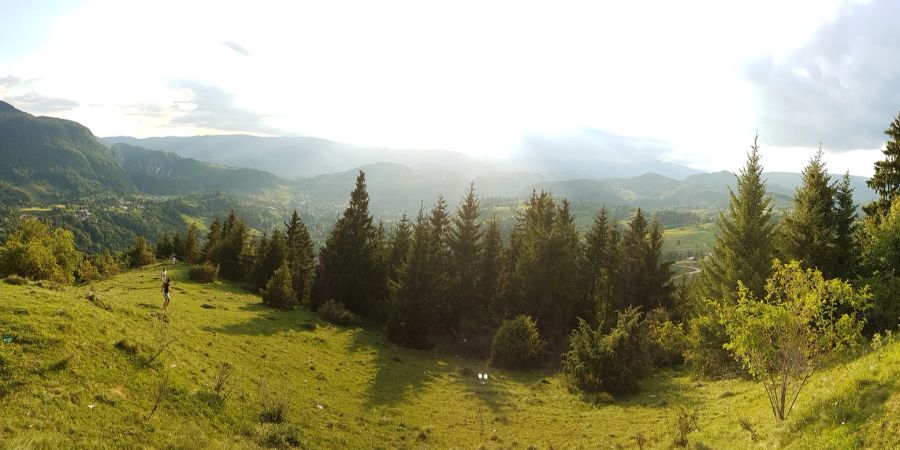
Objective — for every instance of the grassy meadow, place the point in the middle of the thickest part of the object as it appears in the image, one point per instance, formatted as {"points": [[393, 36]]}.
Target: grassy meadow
{"points": [[74, 373]]}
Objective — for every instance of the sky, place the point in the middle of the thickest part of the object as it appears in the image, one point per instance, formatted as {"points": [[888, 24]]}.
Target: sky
{"points": [[688, 82]]}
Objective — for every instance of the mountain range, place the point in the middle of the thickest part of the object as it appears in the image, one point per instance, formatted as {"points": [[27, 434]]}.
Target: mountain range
{"points": [[48, 159]]}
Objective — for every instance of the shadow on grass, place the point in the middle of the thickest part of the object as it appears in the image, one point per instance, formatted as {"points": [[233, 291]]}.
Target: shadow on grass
{"points": [[268, 321]]}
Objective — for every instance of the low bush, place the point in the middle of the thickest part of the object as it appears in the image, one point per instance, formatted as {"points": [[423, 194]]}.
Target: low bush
{"points": [[667, 339], [611, 361], [517, 344], [337, 314], [204, 273]]}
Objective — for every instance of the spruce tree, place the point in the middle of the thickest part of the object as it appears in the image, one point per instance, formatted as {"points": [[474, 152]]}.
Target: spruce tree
{"points": [[465, 252], [271, 255], [300, 258], [886, 180], [600, 268], [165, 247], [278, 292], [489, 273], [845, 245], [349, 271], [189, 249], [743, 247], [232, 257], [439, 224], [808, 233], [634, 243], [657, 274], [213, 238], [400, 244], [412, 314]]}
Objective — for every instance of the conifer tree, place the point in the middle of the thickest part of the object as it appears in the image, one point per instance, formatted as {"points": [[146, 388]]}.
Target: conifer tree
{"points": [[886, 180], [400, 244], [189, 247], [232, 249], [272, 254], [439, 224], [601, 268], [808, 233], [634, 243], [845, 245], [213, 238], [278, 292], [165, 247], [743, 248], [543, 281], [349, 271], [657, 275], [465, 252], [489, 272], [413, 314], [300, 258]]}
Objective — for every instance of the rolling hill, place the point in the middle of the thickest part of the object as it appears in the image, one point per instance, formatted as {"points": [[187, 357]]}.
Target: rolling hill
{"points": [[49, 159]]}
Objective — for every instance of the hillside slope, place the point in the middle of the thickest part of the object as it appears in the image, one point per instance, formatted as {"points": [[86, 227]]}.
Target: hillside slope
{"points": [[161, 173], [44, 158], [65, 384]]}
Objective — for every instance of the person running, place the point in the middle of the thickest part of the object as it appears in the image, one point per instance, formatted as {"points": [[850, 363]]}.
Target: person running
{"points": [[165, 291]]}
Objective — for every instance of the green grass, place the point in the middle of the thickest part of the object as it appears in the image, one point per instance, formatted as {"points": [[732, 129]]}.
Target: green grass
{"points": [[697, 238], [349, 388]]}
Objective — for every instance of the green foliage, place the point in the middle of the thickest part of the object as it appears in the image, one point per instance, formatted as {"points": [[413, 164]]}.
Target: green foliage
{"points": [[337, 314], [490, 268], [204, 273], [667, 340], [705, 352], [36, 251], [744, 244], [350, 270], [465, 244], [140, 254], [886, 180], [880, 265], [646, 281], [543, 280], [413, 297], [165, 247], [300, 258], [783, 338], [612, 361], [846, 247], [279, 292], [87, 271], [808, 233], [601, 267], [517, 344]]}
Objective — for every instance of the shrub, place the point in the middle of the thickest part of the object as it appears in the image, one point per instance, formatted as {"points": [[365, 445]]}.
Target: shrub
{"points": [[279, 291], [667, 339], [685, 424], [517, 344], [128, 346], [705, 352], [108, 264], [87, 271], [36, 251], [140, 254], [204, 273], [613, 361], [336, 313]]}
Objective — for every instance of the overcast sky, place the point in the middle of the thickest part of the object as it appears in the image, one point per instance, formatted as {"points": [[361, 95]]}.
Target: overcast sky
{"points": [[694, 79]]}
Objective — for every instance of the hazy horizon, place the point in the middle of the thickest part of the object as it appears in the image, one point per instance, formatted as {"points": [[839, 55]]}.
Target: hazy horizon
{"points": [[688, 84]]}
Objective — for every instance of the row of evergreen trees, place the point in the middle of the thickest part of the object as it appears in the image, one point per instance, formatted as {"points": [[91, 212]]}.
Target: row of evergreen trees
{"points": [[449, 274]]}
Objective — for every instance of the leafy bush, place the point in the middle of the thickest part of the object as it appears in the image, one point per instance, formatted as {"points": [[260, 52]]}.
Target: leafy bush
{"points": [[204, 273], [704, 352], [140, 254], [279, 291], [667, 339], [517, 344], [108, 264], [613, 361], [36, 251], [336, 313], [87, 271]]}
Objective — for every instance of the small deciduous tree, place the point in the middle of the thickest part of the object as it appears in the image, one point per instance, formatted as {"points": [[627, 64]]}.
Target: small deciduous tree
{"points": [[782, 338]]}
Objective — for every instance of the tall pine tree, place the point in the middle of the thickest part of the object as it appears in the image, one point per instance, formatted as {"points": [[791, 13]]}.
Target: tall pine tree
{"points": [[412, 313], [743, 248], [349, 270], [601, 266], [490, 268], [846, 250], [465, 252], [808, 233], [886, 180], [301, 259]]}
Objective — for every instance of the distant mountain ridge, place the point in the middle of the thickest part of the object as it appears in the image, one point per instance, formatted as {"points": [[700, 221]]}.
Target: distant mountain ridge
{"points": [[45, 158], [162, 173]]}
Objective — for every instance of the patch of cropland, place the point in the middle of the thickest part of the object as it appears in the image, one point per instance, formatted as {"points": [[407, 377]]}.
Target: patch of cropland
{"points": [[103, 366]]}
